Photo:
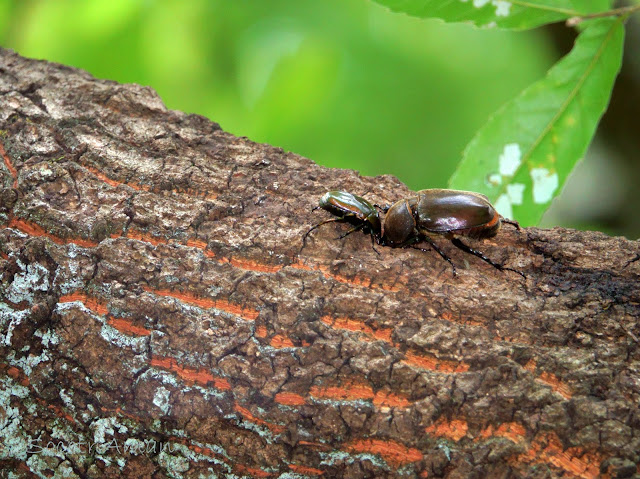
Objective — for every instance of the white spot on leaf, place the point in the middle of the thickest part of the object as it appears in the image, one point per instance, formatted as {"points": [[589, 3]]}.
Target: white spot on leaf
{"points": [[515, 192], [545, 184], [494, 180], [502, 8], [503, 206], [510, 159]]}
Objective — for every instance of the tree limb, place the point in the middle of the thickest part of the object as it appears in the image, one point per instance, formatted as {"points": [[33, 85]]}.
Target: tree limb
{"points": [[160, 316]]}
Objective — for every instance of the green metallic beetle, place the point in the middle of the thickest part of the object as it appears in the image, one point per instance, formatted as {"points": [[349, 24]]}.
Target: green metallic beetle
{"points": [[351, 208]]}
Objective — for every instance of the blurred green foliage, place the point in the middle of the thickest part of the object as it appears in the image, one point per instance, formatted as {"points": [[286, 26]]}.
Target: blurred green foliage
{"points": [[346, 83]]}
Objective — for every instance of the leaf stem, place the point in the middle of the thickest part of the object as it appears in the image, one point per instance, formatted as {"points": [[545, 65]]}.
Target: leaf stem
{"points": [[616, 12]]}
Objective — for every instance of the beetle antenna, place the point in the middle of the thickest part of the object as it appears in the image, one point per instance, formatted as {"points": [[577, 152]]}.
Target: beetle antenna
{"points": [[481, 255]]}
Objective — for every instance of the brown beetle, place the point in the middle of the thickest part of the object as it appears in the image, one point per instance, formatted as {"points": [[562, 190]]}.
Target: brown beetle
{"points": [[450, 213]]}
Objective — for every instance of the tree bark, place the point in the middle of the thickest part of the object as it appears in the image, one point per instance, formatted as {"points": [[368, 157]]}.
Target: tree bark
{"points": [[161, 317]]}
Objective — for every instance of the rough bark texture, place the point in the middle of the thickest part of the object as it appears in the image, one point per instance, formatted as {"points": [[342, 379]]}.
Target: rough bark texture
{"points": [[160, 316]]}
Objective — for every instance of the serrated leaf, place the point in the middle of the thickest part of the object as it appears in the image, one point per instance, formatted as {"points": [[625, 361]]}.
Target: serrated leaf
{"points": [[522, 156], [511, 14]]}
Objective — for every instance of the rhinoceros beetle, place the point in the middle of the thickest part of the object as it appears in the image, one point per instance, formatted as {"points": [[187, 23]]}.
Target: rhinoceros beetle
{"points": [[450, 213]]}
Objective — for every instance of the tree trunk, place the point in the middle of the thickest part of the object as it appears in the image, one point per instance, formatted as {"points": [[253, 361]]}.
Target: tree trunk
{"points": [[161, 316]]}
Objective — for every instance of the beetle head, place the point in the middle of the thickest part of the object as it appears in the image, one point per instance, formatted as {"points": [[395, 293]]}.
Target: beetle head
{"points": [[399, 223]]}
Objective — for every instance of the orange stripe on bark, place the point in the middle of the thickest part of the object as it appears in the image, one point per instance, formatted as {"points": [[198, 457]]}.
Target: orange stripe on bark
{"points": [[393, 452], [245, 313], [455, 429], [261, 332], [192, 375], [354, 391], [389, 399], [280, 341], [530, 366], [343, 279], [574, 460], [558, 386], [33, 229], [511, 430], [251, 265], [103, 177], [138, 186], [245, 264], [205, 451], [382, 334], [309, 471], [245, 413], [550, 380], [147, 238], [9, 165], [251, 471], [95, 305], [290, 399], [196, 243], [126, 326], [350, 392], [432, 363]]}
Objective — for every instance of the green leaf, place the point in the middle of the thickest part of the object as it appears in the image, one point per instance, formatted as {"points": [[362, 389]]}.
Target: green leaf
{"points": [[512, 14], [522, 156]]}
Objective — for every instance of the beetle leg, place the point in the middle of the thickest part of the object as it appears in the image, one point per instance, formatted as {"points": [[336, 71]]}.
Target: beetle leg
{"points": [[374, 246], [410, 243], [383, 208], [480, 255], [510, 222], [441, 253], [332, 220], [355, 228]]}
